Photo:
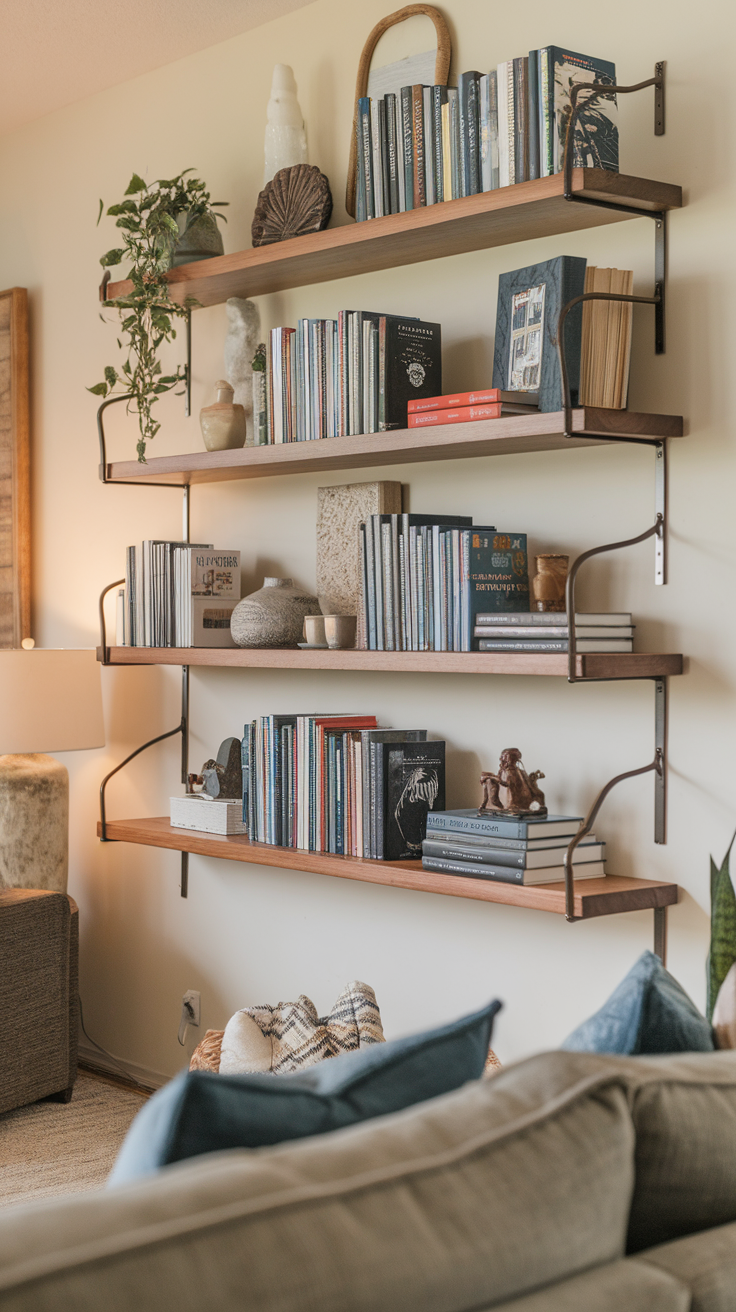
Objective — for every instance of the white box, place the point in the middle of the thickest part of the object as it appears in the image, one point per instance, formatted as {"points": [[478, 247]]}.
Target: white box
{"points": [[208, 815]]}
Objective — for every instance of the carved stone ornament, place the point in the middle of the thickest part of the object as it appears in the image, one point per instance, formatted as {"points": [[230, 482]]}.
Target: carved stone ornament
{"points": [[296, 201], [222, 778], [512, 791]]}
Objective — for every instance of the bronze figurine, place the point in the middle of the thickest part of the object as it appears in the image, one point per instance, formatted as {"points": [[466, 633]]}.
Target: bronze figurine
{"points": [[512, 791]]}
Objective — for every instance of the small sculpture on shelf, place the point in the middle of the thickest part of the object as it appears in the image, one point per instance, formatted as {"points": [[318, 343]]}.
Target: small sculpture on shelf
{"points": [[221, 778], [296, 197], [512, 791], [548, 584]]}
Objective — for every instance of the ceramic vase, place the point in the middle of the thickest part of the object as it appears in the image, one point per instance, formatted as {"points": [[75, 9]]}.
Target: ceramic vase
{"points": [[548, 584], [272, 617], [223, 424]]}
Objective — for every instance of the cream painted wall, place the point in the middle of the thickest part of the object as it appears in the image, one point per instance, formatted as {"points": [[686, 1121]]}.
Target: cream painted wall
{"points": [[248, 934]]}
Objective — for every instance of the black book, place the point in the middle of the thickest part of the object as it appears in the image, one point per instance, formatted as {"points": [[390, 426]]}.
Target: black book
{"points": [[499, 574], [409, 367], [521, 119], [525, 353], [392, 153], [439, 98], [373, 741], [469, 102], [415, 785], [385, 174]]}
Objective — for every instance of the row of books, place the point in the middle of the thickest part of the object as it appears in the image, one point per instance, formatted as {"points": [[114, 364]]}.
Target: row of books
{"points": [[178, 595], [514, 851], [548, 631], [425, 578], [339, 784], [335, 377], [422, 145]]}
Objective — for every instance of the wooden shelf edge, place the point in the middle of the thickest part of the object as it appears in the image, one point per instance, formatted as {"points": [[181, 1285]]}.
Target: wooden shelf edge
{"points": [[510, 435], [599, 665], [595, 897], [509, 214]]}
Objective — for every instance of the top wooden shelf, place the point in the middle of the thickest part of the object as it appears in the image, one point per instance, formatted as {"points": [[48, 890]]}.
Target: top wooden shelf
{"points": [[494, 218]]}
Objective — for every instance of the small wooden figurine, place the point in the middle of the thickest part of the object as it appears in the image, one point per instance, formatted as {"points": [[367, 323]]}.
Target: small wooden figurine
{"points": [[512, 791], [222, 778]]}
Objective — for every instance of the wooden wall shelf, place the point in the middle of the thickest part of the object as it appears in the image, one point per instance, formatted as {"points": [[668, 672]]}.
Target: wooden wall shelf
{"points": [[593, 897], [600, 665], [510, 435], [495, 218]]}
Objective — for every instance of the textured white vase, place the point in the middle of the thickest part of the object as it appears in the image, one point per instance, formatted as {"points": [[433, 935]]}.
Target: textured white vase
{"points": [[286, 139], [273, 616], [241, 344], [34, 822]]}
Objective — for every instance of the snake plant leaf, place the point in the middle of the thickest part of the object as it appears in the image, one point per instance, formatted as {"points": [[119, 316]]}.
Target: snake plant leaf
{"points": [[722, 927]]}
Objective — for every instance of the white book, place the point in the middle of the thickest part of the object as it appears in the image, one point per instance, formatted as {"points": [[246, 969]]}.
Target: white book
{"points": [[505, 177], [208, 815], [428, 133], [377, 167], [543, 618], [484, 94], [551, 631]]}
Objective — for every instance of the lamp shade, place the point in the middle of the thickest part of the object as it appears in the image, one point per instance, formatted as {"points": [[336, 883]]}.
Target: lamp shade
{"points": [[50, 701]]}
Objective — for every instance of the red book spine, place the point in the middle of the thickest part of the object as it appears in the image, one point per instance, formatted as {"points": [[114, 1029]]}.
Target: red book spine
{"points": [[491, 396], [461, 415]]}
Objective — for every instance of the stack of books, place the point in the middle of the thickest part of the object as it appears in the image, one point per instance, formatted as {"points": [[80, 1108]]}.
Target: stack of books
{"points": [[337, 377], [606, 631], [179, 595], [426, 577], [339, 784], [511, 850], [455, 408], [420, 144]]}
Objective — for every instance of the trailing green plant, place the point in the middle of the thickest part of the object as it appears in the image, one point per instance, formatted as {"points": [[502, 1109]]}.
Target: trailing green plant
{"points": [[149, 219]]}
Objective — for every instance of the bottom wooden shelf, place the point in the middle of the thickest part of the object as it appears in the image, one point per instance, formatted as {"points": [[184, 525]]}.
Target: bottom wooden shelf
{"points": [[593, 897]]}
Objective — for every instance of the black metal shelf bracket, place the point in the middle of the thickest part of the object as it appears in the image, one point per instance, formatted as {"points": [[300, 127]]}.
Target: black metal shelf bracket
{"points": [[609, 90], [657, 766]]}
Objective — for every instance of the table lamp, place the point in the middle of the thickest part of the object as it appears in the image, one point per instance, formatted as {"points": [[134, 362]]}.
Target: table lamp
{"points": [[50, 701]]}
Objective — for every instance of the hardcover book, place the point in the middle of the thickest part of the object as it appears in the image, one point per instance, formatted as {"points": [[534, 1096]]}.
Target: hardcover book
{"points": [[596, 128], [410, 366], [529, 304], [468, 821], [499, 574], [415, 786]]}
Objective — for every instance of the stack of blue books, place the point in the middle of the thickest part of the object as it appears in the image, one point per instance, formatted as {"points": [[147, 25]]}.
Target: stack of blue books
{"points": [[514, 851]]}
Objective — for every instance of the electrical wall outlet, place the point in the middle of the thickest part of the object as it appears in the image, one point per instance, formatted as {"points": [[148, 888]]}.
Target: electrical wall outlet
{"points": [[191, 1010]]}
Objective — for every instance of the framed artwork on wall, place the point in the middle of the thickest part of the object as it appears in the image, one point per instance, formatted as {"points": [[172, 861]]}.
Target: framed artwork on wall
{"points": [[15, 505]]}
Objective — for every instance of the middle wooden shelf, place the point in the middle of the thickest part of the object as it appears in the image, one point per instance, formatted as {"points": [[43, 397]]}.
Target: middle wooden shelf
{"points": [[599, 665]]}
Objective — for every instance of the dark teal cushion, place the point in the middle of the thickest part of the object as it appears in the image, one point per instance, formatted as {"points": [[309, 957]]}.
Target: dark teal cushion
{"points": [[203, 1113], [649, 1012]]}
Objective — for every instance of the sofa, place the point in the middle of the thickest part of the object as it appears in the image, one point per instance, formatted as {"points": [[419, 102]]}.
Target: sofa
{"points": [[569, 1181]]}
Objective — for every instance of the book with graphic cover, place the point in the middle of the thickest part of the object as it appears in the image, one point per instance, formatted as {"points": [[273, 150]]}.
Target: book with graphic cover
{"points": [[415, 786], [596, 127], [525, 359], [499, 574], [409, 366]]}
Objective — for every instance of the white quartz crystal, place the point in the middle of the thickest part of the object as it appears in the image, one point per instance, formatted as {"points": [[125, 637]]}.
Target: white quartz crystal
{"points": [[286, 139]]}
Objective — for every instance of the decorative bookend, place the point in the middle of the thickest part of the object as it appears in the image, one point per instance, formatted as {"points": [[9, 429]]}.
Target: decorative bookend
{"points": [[340, 512], [722, 955], [441, 72], [512, 791], [295, 202], [223, 777], [291, 1036]]}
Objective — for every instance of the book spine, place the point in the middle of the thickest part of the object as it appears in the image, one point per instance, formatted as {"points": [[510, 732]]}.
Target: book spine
{"points": [[511, 120], [470, 113], [504, 163], [439, 822], [388, 586], [464, 415], [360, 188], [376, 157], [521, 135], [503, 874], [385, 165], [378, 582], [493, 126], [546, 113], [439, 99], [490, 396], [488, 644], [484, 118], [417, 130], [392, 153], [400, 176], [366, 155], [533, 115], [407, 137], [482, 856], [457, 184], [428, 139], [446, 151]]}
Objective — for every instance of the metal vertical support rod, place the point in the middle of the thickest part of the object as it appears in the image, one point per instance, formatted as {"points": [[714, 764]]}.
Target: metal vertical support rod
{"points": [[660, 277], [188, 368], [660, 508], [660, 934], [184, 885], [660, 747]]}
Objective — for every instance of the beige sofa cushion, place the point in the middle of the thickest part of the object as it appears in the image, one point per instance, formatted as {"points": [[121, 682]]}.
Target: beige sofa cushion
{"points": [[626, 1286], [706, 1263], [459, 1203]]}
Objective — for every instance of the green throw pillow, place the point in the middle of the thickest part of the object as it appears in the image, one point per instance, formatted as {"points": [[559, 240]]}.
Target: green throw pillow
{"points": [[649, 1012], [199, 1112]]}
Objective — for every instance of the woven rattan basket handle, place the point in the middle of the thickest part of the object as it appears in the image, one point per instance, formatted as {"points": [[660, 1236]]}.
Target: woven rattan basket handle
{"points": [[441, 71]]}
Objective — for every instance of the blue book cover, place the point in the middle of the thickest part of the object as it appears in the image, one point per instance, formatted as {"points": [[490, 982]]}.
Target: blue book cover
{"points": [[499, 573], [467, 821], [596, 129]]}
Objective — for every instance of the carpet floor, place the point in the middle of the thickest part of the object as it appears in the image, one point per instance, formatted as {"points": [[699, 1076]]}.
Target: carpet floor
{"points": [[51, 1148]]}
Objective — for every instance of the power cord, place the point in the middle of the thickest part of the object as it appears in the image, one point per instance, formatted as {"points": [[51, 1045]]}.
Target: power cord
{"points": [[121, 1067]]}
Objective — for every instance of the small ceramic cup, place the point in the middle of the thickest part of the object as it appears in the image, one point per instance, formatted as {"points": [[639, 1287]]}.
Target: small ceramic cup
{"points": [[314, 630], [340, 631]]}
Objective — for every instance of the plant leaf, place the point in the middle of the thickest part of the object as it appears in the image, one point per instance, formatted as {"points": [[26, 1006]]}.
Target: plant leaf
{"points": [[112, 258], [99, 212], [723, 928], [135, 185], [99, 389]]}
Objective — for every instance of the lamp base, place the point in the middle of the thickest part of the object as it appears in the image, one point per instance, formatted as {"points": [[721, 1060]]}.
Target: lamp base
{"points": [[34, 822]]}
